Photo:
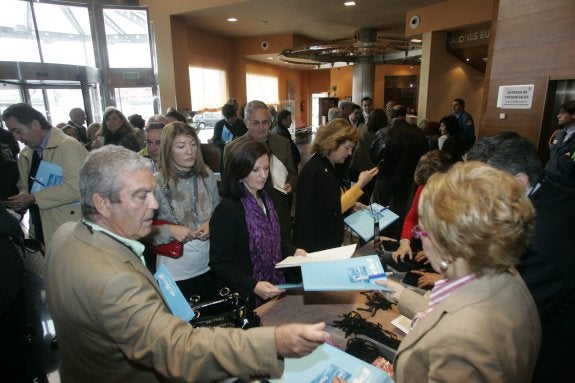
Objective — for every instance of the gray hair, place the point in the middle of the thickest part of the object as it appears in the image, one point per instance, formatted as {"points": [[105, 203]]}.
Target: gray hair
{"points": [[100, 171], [334, 113], [510, 152], [254, 105]]}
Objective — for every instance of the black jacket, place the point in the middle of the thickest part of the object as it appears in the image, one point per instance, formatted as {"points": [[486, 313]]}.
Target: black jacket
{"points": [[548, 270], [318, 219], [561, 167]]}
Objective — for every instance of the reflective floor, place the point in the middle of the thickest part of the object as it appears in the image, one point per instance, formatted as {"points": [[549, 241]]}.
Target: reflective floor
{"points": [[42, 354]]}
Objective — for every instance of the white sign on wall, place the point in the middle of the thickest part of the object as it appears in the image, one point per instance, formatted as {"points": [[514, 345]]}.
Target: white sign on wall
{"points": [[515, 96]]}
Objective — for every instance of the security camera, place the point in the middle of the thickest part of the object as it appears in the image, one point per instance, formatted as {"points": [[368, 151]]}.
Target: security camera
{"points": [[414, 22], [265, 45]]}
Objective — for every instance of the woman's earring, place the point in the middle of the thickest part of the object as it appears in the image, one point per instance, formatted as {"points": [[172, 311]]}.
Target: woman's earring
{"points": [[443, 265]]}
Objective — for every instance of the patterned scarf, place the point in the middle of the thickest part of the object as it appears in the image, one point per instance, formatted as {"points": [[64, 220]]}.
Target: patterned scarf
{"points": [[264, 232]]}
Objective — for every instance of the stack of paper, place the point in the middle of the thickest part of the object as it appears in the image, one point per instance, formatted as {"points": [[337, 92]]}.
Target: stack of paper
{"points": [[358, 273], [326, 363]]}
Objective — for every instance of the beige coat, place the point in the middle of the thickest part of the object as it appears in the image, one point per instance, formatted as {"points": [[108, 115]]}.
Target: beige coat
{"points": [[113, 325], [58, 204], [486, 331]]}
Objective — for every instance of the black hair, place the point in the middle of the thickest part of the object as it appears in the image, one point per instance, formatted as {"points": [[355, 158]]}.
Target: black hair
{"points": [[451, 124], [239, 162], [510, 152], [25, 114]]}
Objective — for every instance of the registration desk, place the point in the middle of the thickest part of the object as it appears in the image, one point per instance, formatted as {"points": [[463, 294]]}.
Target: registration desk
{"points": [[311, 307]]}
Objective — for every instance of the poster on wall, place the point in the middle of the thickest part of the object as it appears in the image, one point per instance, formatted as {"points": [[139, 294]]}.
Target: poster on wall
{"points": [[515, 96]]}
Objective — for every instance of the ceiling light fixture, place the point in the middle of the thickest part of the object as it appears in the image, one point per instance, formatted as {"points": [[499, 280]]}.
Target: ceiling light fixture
{"points": [[365, 46], [232, 19], [349, 3]]}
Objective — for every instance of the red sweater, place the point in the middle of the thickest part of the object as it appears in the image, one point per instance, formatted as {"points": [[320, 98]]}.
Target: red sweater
{"points": [[412, 217]]}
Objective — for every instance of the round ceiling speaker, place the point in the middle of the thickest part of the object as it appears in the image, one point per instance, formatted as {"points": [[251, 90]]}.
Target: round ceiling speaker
{"points": [[414, 22]]}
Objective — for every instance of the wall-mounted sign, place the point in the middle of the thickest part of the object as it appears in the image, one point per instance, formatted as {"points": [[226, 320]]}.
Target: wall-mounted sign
{"points": [[469, 37], [515, 96]]}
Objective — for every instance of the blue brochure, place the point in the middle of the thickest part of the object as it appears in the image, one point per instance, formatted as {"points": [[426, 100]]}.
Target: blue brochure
{"points": [[358, 273], [362, 221], [48, 174], [173, 296], [327, 362]]}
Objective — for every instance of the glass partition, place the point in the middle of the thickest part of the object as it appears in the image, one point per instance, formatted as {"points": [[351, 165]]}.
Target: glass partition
{"points": [[18, 36], [127, 38], [65, 34], [135, 101]]}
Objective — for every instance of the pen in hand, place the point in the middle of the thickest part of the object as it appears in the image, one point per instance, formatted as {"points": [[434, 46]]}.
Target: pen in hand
{"points": [[38, 181]]}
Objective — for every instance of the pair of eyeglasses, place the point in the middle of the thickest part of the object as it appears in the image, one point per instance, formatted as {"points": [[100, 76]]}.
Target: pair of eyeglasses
{"points": [[258, 123], [418, 232]]}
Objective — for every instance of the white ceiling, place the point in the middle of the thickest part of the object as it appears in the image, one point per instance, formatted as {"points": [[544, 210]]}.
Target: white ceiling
{"points": [[317, 19]]}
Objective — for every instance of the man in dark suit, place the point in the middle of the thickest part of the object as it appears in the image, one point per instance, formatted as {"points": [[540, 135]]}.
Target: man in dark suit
{"points": [[284, 121], [549, 264], [112, 322], [404, 145], [561, 165]]}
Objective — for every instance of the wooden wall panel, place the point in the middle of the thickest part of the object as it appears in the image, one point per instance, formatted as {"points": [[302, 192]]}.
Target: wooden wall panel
{"points": [[533, 43]]}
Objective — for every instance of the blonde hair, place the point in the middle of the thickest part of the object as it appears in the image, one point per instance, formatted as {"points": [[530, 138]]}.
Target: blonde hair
{"points": [[165, 161], [329, 137], [477, 213]]}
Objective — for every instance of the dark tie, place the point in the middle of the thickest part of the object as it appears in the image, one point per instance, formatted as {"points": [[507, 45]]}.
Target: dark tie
{"points": [[33, 209]]}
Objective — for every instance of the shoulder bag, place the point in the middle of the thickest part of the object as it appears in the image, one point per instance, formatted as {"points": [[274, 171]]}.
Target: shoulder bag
{"points": [[174, 249]]}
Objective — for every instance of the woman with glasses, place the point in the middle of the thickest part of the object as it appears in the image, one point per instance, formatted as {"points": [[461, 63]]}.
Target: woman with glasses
{"points": [[245, 230], [480, 323], [187, 193], [321, 198]]}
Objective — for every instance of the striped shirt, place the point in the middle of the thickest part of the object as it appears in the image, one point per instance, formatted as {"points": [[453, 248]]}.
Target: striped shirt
{"points": [[441, 290]]}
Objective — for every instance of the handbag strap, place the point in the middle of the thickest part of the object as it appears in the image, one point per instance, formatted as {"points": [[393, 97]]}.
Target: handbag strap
{"points": [[165, 193]]}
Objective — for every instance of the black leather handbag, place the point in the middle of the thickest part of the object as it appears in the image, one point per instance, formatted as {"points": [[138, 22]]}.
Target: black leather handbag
{"points": [[230, 310]]}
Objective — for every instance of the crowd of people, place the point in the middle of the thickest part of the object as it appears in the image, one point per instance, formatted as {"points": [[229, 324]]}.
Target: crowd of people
{"points": [[492, 225]]}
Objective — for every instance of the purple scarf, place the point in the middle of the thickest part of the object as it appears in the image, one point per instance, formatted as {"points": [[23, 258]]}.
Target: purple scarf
{"points": [[265, 242]]}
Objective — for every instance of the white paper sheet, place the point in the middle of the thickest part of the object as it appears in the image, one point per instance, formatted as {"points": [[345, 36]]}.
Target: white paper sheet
{"points": [[333, 254], [279, 174]]}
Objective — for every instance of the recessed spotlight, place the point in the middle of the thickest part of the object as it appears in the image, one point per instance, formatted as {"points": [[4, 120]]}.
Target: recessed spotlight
{"points": [[232, 19], [269, 58], [467, 59], [415, 40], [349, 3]]}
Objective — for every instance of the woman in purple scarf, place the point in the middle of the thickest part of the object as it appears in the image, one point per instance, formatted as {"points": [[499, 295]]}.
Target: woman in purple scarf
{"points": [[245, 241]]}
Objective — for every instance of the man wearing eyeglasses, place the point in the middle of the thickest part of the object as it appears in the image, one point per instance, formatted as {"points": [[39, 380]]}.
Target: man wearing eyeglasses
{"points": [[258, 120]]}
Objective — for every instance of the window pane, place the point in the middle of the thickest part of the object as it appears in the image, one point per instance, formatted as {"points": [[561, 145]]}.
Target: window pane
{"points": [[127, 38], [65, 34], [263, 88], [17, 36], [208, 87], [61, 101], [135, 101]]}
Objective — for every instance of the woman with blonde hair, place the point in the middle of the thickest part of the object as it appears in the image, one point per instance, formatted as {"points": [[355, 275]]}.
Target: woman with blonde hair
{"points": [[321, 198], [480, 323], [187, 193]]}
